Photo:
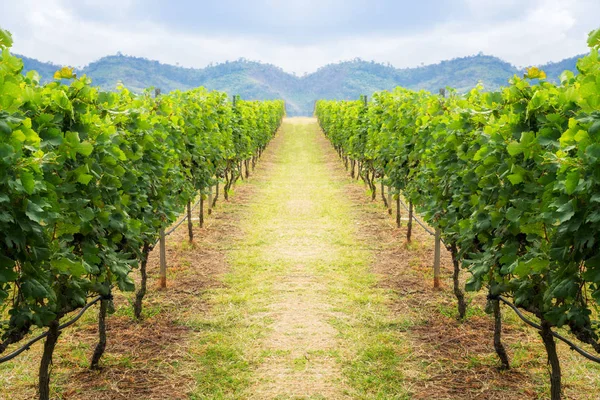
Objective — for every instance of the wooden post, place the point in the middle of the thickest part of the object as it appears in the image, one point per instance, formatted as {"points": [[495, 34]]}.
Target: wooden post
{"points": [[189, 221], [389, 198], [410, 222], [398, 214], [163, 259], [436, 260], [216, 194], [210, 200], [201, 212]]}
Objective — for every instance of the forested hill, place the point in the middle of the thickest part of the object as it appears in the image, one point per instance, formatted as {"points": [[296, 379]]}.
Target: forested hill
{"points": [[345, 80]]}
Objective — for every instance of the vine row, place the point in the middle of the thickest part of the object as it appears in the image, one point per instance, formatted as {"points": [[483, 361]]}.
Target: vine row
{"points": [[509, 178]]}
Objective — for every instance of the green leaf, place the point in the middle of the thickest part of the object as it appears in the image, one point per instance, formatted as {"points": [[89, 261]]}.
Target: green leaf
{"points": [[529, 267], [595, 128], [28, 182], [72, 138], [84, 178], [5, 38], [87, 214], [581, 135], [7, 272], [480, 153], [565, 212], [34, 289], [5, 128], [571, 182], [85, 148], [515, 179], [515, 148], [34, 212], [19, 136], [512, 214], [68, 267], [593, 151], [566, 77], [594, 38]]}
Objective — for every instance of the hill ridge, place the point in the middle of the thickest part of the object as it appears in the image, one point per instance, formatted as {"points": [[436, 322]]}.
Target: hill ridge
{"points": [[342, 80]]}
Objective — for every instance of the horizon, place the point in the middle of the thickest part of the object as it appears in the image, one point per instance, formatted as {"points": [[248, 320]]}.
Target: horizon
{"points": [[301, 36]]}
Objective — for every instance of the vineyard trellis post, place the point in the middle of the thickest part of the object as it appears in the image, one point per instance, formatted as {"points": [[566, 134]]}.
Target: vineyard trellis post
{"points": [[410, 222], [163, 259], [189, 221], [210, 199], [438, 244], [436, 259], [398, 214], [201, 212]]}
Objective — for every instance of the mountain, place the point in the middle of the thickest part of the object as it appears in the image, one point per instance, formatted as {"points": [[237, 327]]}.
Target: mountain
{"points": [[255, 80], [45, 69]]}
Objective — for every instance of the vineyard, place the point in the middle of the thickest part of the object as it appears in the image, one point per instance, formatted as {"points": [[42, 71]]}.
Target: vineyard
{"points": [[510, 181], [299, 284], [90, 179]]}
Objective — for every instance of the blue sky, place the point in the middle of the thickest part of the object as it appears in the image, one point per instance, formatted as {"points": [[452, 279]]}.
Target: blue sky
{"points": [[300, 36]]}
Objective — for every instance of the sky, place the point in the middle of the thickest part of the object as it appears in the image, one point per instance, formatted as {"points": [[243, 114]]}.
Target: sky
{"points": [[300, 35]]}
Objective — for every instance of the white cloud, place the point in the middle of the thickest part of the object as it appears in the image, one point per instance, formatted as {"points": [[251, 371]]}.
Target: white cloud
{"points": [[51, 30]]}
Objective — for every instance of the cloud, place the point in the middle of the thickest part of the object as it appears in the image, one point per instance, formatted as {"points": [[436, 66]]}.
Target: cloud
{"points": [[300, 35]]}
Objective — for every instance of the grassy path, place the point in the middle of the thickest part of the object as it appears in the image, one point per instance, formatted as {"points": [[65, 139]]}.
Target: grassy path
{"points": [[300, 299]]}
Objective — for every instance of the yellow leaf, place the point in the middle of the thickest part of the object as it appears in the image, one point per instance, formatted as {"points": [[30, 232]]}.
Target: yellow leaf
{"points": [[535, 73], [64, 73]]}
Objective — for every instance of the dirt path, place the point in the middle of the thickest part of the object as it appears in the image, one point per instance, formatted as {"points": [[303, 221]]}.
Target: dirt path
{"points": [[297, 235]]}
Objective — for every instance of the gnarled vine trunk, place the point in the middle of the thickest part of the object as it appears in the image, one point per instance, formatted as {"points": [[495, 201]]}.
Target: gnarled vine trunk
{"points": [[101, 346], [139, 296], [216, 195], [44, 373], [385, 203], [498, 346], [555, 373], [460, 296]]}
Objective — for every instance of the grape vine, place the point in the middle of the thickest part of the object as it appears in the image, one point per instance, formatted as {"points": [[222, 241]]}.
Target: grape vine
{"points": [[89, 178], [509, 177]]}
